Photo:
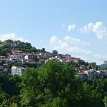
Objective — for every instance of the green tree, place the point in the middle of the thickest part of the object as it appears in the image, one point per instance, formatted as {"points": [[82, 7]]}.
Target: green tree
{"points": [[50, 84], [43, 50], [8, 41], [105, 101], [9, 89], [92, 94], [55, 52], [28, 88], [94, 64]]}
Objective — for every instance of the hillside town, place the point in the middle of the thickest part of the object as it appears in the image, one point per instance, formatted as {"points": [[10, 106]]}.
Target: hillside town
{"points": [[15, 56]]}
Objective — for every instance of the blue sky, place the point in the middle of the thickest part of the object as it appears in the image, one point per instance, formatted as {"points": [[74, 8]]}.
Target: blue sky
{"points": [[76, 27]]}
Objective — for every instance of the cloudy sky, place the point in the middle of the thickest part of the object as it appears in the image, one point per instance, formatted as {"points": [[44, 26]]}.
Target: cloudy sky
{"points": [[76, 27]]}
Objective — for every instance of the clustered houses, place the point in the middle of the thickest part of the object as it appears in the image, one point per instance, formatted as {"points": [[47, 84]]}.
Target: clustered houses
{"points": [[14, 60], [16, 56], [85, 72], [89, 74], [64, 58]]}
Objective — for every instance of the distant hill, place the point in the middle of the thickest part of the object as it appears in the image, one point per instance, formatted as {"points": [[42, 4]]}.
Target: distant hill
{"points": [[103, 66]]}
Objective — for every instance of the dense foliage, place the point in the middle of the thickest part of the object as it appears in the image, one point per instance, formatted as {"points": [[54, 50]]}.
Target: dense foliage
{"points": [[52, 85], [7, 45]]}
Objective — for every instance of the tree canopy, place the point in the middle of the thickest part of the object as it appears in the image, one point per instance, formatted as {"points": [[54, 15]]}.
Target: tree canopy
{"points": [[53, 84]]}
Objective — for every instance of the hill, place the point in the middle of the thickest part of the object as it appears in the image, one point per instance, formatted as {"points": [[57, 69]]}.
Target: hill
{"points": [[103, 66], [8, 45]]}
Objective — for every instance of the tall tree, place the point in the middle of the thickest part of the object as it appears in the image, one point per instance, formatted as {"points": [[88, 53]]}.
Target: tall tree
{"points": [[55, 52], [49, 84]]}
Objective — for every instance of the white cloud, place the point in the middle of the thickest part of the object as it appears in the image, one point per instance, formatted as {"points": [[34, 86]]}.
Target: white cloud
{"points": [[69, 45], [76, 48], [71, 27], [66, 42], [12, 36], [98, 28]]}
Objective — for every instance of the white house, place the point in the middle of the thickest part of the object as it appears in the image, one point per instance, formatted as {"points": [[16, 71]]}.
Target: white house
{"points": [[26, 57], [17, 70]]}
